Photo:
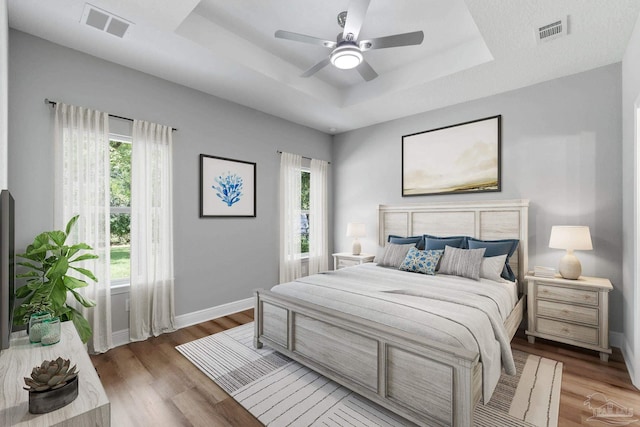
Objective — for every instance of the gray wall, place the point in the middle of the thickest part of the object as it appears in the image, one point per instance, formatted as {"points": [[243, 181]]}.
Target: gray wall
{"points": [[4, 111], [216, 260], [630, 103], [561, 149]]}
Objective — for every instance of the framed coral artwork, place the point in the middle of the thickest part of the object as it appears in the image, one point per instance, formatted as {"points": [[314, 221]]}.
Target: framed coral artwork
{"points": [[227, 187]]}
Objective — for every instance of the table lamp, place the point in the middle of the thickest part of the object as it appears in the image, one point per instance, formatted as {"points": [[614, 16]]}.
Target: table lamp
{"points": [[572, 238], [355, 230]]}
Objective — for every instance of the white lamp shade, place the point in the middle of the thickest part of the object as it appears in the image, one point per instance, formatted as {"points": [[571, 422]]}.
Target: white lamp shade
{"points": [[570, 237], [355, 229]]}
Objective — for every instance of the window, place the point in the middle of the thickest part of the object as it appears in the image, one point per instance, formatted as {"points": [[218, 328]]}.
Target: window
{"points": [[120, 194], [304, 211]]}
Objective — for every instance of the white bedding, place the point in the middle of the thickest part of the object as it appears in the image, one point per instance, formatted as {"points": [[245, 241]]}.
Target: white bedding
{"points": [[452, 310]]}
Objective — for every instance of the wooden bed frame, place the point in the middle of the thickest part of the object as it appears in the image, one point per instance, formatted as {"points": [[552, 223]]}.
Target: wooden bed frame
{"points": [[422, 380]]}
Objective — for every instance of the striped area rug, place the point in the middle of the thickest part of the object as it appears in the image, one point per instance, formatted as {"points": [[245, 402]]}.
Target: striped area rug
{"points": [[280, 392]]}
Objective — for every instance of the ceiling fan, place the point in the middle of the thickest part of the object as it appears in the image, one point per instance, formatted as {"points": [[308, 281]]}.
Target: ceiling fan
{"points": [[347, 50]]}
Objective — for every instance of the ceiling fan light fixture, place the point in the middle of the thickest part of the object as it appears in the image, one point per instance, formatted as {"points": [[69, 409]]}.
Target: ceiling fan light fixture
{"points": [[348, 50], [346, 57]]}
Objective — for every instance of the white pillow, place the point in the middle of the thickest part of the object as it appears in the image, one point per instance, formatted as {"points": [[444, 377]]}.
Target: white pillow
{"points": [[393, 255], [462, 262], [491, 267]]}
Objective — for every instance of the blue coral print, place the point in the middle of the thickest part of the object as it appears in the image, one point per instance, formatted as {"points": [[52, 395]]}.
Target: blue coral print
{"points": [[419, 261], [229, 188]]}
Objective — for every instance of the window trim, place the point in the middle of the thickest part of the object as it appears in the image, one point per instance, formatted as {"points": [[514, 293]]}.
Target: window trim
{"points": [[120, 286], [120, 210]]}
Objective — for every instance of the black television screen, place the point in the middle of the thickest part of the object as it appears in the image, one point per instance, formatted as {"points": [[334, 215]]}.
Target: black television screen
{"points": [[7, 266]]}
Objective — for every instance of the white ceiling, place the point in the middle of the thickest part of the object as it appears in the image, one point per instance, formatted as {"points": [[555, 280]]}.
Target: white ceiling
{"points": [[472, 49]]}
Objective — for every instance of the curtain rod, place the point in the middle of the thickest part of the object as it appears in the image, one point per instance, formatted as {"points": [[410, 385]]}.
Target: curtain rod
{"points": [[308, 158], [54, 103]]}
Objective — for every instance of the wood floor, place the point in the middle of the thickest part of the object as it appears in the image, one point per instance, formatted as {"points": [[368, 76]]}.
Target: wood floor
{"points": [[150, 384]]}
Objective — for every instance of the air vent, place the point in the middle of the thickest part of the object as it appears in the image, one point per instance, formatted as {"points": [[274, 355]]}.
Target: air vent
{"points": [[104, 21], [551, 31]]}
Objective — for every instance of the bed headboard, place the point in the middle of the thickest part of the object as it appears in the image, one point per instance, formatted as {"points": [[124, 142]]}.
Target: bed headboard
{"points": [[487, 220]]}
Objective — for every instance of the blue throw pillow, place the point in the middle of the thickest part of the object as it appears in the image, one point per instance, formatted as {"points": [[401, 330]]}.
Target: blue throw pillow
{"points": [[438, 243], [497, 247], [418, 261], [399, 240]]}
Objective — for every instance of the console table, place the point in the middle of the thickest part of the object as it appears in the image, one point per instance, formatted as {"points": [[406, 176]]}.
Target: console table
{"points": [[91, 407]]}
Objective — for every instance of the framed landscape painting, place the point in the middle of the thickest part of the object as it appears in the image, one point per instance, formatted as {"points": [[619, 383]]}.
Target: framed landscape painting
{"points": [[463, 158], [227, 187]]}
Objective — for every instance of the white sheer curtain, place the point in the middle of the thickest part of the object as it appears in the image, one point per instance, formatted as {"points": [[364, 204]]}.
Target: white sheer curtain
{"points": [[318, 218], [151, 293], [290, 187], [82, 188]]}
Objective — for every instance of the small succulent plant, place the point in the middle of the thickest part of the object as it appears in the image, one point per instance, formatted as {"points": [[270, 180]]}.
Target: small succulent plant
{"points": [[52, 374]]}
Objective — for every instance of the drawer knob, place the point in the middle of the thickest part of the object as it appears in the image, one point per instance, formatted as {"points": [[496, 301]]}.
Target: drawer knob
{"points": [[565, 330]]}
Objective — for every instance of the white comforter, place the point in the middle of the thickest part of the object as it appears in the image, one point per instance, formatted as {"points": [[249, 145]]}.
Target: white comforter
{"points": [[452, 310]]}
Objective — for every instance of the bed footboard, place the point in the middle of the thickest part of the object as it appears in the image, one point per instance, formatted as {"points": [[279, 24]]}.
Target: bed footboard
{"points": [[423, 381]]}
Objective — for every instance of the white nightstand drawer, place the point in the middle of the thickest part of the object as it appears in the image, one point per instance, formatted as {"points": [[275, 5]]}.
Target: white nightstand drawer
{"points": [[570, 331], [345, 259], [342, 263], [572, 313], [577, 296]]}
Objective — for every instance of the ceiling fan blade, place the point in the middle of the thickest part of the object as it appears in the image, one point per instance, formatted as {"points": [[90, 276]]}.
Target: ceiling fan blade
{"points": [[406, 39], [288, 35], [355, 18], [366, 71], [320, 65]]}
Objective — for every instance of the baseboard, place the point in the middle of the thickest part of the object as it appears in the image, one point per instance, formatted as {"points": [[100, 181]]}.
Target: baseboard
{"points": [[616, 339], [627, 353], [121, 337], [200, 316]]}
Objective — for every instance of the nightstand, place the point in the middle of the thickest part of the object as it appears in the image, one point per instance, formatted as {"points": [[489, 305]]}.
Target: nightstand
{"points": [[345, 259], [570, 311]]}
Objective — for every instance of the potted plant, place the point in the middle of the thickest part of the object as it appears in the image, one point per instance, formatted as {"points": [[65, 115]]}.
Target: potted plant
{"points": [[51, 386], [36, 313], [36, 307], [49, 261]]}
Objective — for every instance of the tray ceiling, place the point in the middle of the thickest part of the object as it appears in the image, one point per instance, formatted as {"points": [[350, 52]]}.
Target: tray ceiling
{"points": [[472, 49]]}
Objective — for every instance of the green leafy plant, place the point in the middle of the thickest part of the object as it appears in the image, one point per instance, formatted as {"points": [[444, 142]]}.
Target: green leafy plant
{"points": [[48, 282], [50, 375]]}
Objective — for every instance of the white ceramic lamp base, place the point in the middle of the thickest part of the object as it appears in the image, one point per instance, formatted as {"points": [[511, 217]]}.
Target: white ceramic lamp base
{"points": [[356, 247], [570, 267]]}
